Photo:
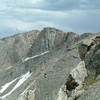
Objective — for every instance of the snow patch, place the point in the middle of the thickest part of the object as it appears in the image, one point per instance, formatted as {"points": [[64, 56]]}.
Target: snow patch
{"points": [[22, 79], [3, 88], [9, 68], [29, 58]]}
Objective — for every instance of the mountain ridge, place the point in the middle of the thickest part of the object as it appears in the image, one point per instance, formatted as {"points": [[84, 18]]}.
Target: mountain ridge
{"points": [[48, 56]]}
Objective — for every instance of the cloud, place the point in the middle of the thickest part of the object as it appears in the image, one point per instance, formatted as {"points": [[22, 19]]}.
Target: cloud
{"points": [[18, 16], [52, 4], [72, 4]]}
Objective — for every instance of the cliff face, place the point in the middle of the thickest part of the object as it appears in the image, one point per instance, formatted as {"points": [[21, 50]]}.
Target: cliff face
{"points": [[51, 38], [48, 65], [83, 81]]}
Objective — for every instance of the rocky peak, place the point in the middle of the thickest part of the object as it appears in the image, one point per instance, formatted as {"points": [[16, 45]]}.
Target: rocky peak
{"points": [[50, 38], [47, 65], [53, 37]]}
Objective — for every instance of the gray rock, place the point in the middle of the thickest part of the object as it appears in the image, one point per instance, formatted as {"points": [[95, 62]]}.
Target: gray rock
{"points": [[28, 95], [75, 81], [92, 93], [49, 71], [82, 49], [92, 61], [79, 73], [62, 95]]}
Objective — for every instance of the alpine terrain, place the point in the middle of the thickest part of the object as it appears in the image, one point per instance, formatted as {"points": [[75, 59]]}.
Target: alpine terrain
{"points": [[50, 65]]}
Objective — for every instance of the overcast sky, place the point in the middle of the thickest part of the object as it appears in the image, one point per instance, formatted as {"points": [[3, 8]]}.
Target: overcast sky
{"points": [[17, 16]]}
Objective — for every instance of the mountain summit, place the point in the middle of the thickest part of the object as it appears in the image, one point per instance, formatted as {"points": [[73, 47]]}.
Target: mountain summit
{"points": [[50, 65]]}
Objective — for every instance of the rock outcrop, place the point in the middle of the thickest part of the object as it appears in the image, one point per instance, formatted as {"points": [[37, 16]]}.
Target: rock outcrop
{"points": [[92, 64], [74, 84], [89, 52], [28, 95], [92, 61], [86, 74]]}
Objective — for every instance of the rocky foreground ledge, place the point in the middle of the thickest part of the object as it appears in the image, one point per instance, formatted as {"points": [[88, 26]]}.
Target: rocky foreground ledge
{"points": [[84, 80], [50, 65]]}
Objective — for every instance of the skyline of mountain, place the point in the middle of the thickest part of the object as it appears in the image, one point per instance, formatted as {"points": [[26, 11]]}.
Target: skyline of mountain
{"points": [[18, 16]]}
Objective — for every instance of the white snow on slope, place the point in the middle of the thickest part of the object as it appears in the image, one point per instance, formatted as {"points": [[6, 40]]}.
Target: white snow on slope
{"points": [[22, 79], [3, 88], [29, 58], [9, 68]]}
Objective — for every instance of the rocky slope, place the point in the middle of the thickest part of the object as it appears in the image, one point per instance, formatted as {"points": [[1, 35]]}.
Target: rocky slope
{"points": [[49, 65]]}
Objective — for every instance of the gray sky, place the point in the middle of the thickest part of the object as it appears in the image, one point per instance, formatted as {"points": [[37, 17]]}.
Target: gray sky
{"points": [[17, 16]]}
